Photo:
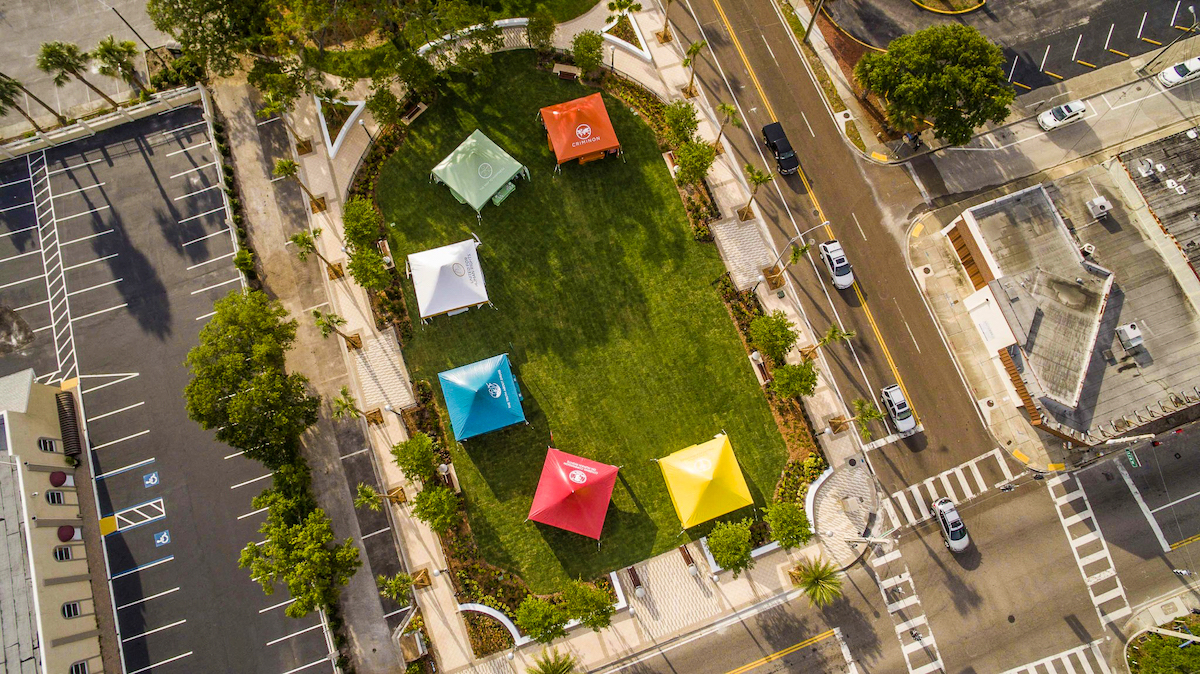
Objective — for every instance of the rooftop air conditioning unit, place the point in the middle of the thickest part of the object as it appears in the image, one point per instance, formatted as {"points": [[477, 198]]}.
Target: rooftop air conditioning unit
{"points": [[1088, 250], [1130, 335], [1099, 207]]}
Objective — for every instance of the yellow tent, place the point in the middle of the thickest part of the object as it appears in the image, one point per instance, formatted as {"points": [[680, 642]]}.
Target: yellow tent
{"points": [[705, 481]]}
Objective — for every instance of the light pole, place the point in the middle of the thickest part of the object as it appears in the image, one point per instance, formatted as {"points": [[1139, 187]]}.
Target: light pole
{"points": [[161, 60], [393, 411], [1191, 10], [364, 127], [793, 240]]}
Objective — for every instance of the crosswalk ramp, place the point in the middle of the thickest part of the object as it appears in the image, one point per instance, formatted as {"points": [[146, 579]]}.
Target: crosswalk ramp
{"points": [[961, 483], [1089, 548], [920, 650], [1085, 659]]}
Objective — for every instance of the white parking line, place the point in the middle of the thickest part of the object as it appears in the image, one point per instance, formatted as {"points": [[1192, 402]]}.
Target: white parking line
{"points": [[187, 149], [222, 283], [223, 230], [84, 264], [76, 166], [279, 605], [123, 469], [109, 414], [30, 306], [208, 315], [123, 377], [252, 514], [182, 128], [13, 208], [164, 560], [193, 170], [26, 280], [146, 599], [97, 286], [201, 215], [35, 251], [294, 634], [1110, 32], [80, 215], [314, 663], [267, 121], [113, 442], [1142, 26], [257, 479], [235, 454], [81, 189], [214, 259], [206, 189], [16, 182], [160, 664], [1044, 57], [156, 629], [102, 311], [18, 231], [85, 238], [383, 530]]}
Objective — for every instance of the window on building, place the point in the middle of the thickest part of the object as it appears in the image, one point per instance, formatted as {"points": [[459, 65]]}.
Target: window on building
{"points": [[63, 553], [55, 497], [71, 609], [79, 668], [47, 445]]}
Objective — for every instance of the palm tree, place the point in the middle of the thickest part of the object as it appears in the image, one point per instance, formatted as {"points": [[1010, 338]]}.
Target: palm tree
{"points": [[553, 662], [329, 322], [61, 120], [344, 406], [835, 333], [865, 412], [398, 588], [116, 60], [693, 51], [757, 179], [8, 101], [64, 60], [306, 244], [620, 8], [820, 580], [288, 168], [729, 115], [664, 35], [365, 496]]}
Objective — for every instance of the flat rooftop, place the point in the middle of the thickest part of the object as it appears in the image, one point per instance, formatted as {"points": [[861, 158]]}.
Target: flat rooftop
{"points": [[18, 624], [1159, 170]]}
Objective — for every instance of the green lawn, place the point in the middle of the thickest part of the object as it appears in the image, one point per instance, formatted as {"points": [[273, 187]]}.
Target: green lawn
{"points": [[618, 338]]}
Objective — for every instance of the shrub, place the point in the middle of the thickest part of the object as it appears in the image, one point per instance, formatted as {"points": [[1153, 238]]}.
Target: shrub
{"points": [[774, 335], [589, 605], [244, 261], [361, 222], [437, 506], [682, 122], [541, 620], [587, 48], [415, 457], [695, 159], [789, 524], [794, 381], [729, 544]]}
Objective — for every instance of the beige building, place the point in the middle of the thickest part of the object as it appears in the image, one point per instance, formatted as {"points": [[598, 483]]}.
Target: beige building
{"points": [[47, 613]]}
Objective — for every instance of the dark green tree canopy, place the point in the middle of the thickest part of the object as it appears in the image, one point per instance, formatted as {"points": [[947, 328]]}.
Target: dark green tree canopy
{"points": [[729, 543], [587, 48], [949, 74], [216, 32], [588, 604], [541, 620]]}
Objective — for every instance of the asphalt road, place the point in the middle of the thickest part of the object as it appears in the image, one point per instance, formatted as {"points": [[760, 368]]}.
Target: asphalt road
{"points": [[868, 208]]}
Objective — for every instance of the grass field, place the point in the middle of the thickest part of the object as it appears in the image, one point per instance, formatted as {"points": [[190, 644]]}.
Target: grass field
{"points": [[619, 341]]}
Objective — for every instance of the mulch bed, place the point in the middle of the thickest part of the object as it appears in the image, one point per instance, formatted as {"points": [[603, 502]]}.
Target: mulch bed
{"points": [[847, 52]]}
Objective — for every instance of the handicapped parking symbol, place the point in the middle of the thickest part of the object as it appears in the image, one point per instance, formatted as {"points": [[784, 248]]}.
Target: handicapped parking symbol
{"points": [[150, 479], [162, 538]]}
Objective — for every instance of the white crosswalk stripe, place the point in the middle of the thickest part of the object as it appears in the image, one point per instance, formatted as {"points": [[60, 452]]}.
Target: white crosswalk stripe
{"points": [[1089, 548], [961, 483], [895, 583], [1085, 659]]}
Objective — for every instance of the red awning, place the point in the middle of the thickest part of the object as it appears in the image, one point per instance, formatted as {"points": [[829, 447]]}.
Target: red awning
{"points": [[579, 127], [573, 493]]}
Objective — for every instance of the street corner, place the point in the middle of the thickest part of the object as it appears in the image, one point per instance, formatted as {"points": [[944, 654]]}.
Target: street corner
{"points": [[844, 505]]}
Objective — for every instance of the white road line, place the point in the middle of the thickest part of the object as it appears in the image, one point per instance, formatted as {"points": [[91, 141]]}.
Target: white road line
{"points": [[95, 287], [35, 251], [43, 329], [109, 414], [13, 208], [81, 189], [314, 663], [219, 232], [17, 283], [187, 149], [201, 191], [769, 51], [1143, 25], [1044, 57], [945, 478], [356, 453], [903, 603], [201, 215], [208, 315], [1014, 67], [182, 128], [102, 311], [888, 583], [222, 283], [76, 166], [978, 476], [279, 605], [1075, 53], [123, 469], [252, 514], [59, 221], [156, 629], [860, 229], [383, 530], [294, 634], [214, 259], [810, 129], [885, 559], [1003, 465], [909, 624], [113, 442], [962, 479], [18, 231], [396, 612], [146, 599], [84, 264], [267, 121], [908, 513], [16, 182], [160, 664], [1110, 32], [1137, 496], [84, 238], [257, 479], [1153, 510], [193, 170], [906, 327]]}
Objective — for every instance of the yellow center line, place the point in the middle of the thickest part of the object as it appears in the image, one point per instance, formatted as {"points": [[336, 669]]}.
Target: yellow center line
{"points": [[783, 653], [820, 212], [1186, 541]]}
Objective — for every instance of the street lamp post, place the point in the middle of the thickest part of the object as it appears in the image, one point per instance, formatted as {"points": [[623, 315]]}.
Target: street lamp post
{"points": [[364, 127], [1191, 10], [161, 60], [793, 240]]}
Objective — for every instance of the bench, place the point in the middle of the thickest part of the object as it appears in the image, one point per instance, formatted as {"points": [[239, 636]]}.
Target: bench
{"points": [[638, 590], [412, 112], [566, 72], [687, 558], [503, 193]]}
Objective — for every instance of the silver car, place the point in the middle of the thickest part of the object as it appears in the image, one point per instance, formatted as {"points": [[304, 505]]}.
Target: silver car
{"points": [[953, 530], [1062, 115], [1180, 73], [898, 409], [836, 264]]}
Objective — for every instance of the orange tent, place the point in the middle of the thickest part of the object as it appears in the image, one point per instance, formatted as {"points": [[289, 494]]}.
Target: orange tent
{"points": [[580, 129]]}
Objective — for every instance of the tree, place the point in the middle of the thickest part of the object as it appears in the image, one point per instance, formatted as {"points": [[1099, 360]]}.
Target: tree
{"points": [[664, 35], [10, 81], [620, 8], [789, 525], [9, 89], [267, 417], [288, 168], [415, 457], [361, 222], [553, 662], [681, 121], [306, 244], [835, 333], [305, 558], [729, 115], [695, 159], [757, 179], [398, 588], [793, 381], [365, 496], [693, 51], [344, 406], [64, 60], [588, 604], [587, 48], [215, 32], [539, 32], [540, 619], [774, 335], [280, 82], [437, 506], [729, 544], [950, 74], [368, 268], [330, 323], [116, 60], [820, 580], [384, 107], [865, 412]]}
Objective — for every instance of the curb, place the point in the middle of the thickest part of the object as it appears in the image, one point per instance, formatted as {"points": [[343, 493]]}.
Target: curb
{"points": [[950, 12]]}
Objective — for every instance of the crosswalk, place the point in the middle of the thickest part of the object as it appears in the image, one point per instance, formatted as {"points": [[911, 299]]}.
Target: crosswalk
{"points": [[1085, 659], [961, 483], [1089, 548], [920, 650]]}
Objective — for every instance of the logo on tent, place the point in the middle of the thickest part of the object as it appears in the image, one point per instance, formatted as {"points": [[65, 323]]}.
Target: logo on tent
{"points": [[485, 170], [494, 389], [577, 476], [583, 131], [702, 465], [458, 269]]}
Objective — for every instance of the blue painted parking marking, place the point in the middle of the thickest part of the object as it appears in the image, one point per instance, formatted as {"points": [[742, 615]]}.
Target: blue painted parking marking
{"points": [[162, 538], [150, 480]]}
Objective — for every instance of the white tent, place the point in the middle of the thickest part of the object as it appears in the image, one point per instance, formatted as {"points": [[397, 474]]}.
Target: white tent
{"points": [[448, 279]]}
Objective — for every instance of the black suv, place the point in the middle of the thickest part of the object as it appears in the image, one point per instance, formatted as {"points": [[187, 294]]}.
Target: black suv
{"points": [[777, 142]]}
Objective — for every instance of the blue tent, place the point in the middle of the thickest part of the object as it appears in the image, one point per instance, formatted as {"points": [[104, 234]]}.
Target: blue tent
{"points": [[482, 397]]}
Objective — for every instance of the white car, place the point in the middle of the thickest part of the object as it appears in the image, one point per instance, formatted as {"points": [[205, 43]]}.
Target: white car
{"points": [[836, 263], [1180, 73], [953, 530], [1062, 115], [897, 408]]}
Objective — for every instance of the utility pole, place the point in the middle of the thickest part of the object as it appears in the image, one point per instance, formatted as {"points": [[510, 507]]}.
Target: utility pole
{"points": [[816, 11], [128, 25], [1191, 10]]}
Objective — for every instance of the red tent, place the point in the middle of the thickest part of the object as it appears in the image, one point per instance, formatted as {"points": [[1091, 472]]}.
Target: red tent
{"points": [[580, 129], [573, 493]]}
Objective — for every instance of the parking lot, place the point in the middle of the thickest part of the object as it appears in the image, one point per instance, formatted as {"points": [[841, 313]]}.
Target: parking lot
{"points": [[112, 251]]}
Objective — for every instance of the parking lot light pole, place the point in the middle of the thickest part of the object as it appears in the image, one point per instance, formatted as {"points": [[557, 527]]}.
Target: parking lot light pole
{"points": [[161, 60], [1192, 28]]}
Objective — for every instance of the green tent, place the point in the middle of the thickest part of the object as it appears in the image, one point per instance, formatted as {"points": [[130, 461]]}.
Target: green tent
{"points": [[479, 170]]}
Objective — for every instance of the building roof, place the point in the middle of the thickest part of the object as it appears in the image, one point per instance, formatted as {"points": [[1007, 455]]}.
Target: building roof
{"points": [[21, 651], [14, 391], [1160, 169]]}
